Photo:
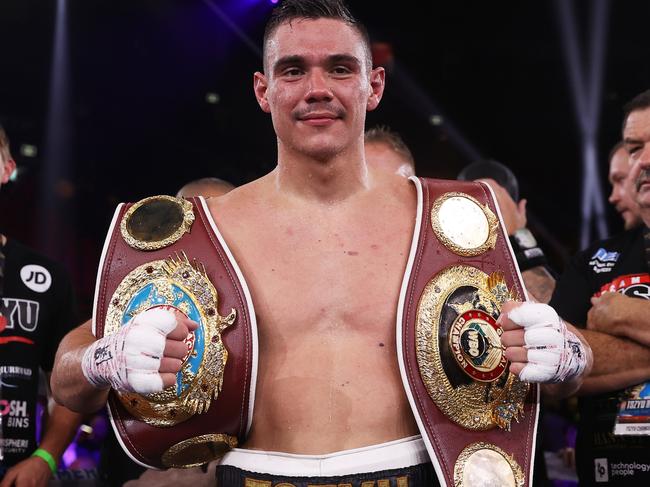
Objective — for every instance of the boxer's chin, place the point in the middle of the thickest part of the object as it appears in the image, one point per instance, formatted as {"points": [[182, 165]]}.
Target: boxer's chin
{"points": [[320, 149]]}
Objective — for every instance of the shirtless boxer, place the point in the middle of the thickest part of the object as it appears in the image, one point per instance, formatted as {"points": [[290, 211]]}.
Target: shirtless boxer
{"points": [[323, 244]]}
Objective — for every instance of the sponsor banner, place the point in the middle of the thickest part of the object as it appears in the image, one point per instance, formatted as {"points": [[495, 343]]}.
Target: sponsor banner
{"points": [[21, 314], [12, 375], [607, 471], [14, 414], [633, 416], [13, 445]]}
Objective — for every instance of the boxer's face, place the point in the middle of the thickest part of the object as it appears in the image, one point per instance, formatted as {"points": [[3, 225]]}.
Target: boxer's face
{"points": [[318, 86], [623, 193], [636, 136]]}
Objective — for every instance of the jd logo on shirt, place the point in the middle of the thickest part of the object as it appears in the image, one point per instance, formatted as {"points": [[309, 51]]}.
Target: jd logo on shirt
{"points": [[36, 277]]}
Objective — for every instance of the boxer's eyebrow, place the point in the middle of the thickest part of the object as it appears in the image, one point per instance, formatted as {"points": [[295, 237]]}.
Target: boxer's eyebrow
{"points": [[300, 61], [286, 61], [344, 59]]}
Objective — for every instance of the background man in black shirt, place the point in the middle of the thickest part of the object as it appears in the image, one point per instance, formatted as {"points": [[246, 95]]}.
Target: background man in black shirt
{"points": [[37, 309], [600, 290]]}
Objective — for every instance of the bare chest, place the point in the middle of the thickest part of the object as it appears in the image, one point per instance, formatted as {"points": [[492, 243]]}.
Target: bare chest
{"points": [[313, 275], [325, 286]]}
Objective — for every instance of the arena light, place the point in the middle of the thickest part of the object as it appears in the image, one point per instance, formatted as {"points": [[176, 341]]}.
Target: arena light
{"points": [[233, 27], [436, 120], [28, 150], [58, 135], [212, 98], [420, 101], [586, 88]]}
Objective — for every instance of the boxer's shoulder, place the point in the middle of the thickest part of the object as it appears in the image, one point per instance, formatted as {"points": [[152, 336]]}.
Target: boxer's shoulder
{"points": [[242, 215], [241, 204], [233, 199]]}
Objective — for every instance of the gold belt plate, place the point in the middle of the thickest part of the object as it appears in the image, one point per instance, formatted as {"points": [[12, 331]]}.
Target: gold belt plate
{"points": [[463, 225], [482, 464], [175, 283], [156, 222], [459, 349]]}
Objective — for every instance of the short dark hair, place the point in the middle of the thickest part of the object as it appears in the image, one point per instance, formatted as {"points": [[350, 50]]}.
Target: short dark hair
{"points": [[489, 168], [382, 134], [639, 102], [290, 10]]}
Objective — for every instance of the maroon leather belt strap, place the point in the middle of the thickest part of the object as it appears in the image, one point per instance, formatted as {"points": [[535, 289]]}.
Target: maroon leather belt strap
{"points": [[458, 383], [200, 436]]}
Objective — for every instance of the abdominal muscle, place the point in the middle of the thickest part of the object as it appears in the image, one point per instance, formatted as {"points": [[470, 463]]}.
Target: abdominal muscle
{"points": [[332, 389]]}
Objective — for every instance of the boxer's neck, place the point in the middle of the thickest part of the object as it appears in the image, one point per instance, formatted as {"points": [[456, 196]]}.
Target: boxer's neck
{"points": [[329, 181]]}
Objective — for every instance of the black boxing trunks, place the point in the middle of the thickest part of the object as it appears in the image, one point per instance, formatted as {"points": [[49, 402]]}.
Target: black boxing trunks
{"points": [[400, 463]]}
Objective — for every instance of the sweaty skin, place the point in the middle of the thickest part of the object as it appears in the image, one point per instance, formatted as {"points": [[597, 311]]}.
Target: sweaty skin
{"points": [[325, 280], [324, 250], [323, 244]]}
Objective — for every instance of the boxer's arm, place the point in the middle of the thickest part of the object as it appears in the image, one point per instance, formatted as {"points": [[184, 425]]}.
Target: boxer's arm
{"points": [[618, 363], [69, 385]]}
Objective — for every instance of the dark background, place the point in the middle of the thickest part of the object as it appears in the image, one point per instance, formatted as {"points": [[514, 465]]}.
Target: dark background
{"points": [[134, 120]]}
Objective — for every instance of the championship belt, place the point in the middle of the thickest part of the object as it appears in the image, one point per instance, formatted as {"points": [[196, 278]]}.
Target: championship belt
{"points": [[477, 419], [167, 252]]}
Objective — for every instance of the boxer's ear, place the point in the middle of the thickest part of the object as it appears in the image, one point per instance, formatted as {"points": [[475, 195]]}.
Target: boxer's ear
{"points": [[260, 86], [377, 84]]}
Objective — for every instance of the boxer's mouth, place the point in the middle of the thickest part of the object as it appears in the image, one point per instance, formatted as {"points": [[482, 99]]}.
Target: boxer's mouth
{"points": [[323, 114], [318, 116]]}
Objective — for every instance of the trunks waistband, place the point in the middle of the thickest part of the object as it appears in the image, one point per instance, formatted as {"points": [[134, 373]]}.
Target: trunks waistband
{"points": [[402, 453]]}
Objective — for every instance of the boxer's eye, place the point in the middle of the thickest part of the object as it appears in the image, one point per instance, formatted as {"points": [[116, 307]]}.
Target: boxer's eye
{"points": [[341, 70], [292, 72]]}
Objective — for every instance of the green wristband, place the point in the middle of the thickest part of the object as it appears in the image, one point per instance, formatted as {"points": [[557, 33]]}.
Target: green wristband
{"points": [[47, 456]]}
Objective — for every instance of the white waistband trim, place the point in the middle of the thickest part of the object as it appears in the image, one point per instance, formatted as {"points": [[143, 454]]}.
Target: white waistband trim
{"points": [[402, 453]]}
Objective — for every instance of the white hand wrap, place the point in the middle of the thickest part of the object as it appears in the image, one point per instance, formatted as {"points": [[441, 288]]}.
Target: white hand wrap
{"points": [[554, 353], [129, 360]]}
